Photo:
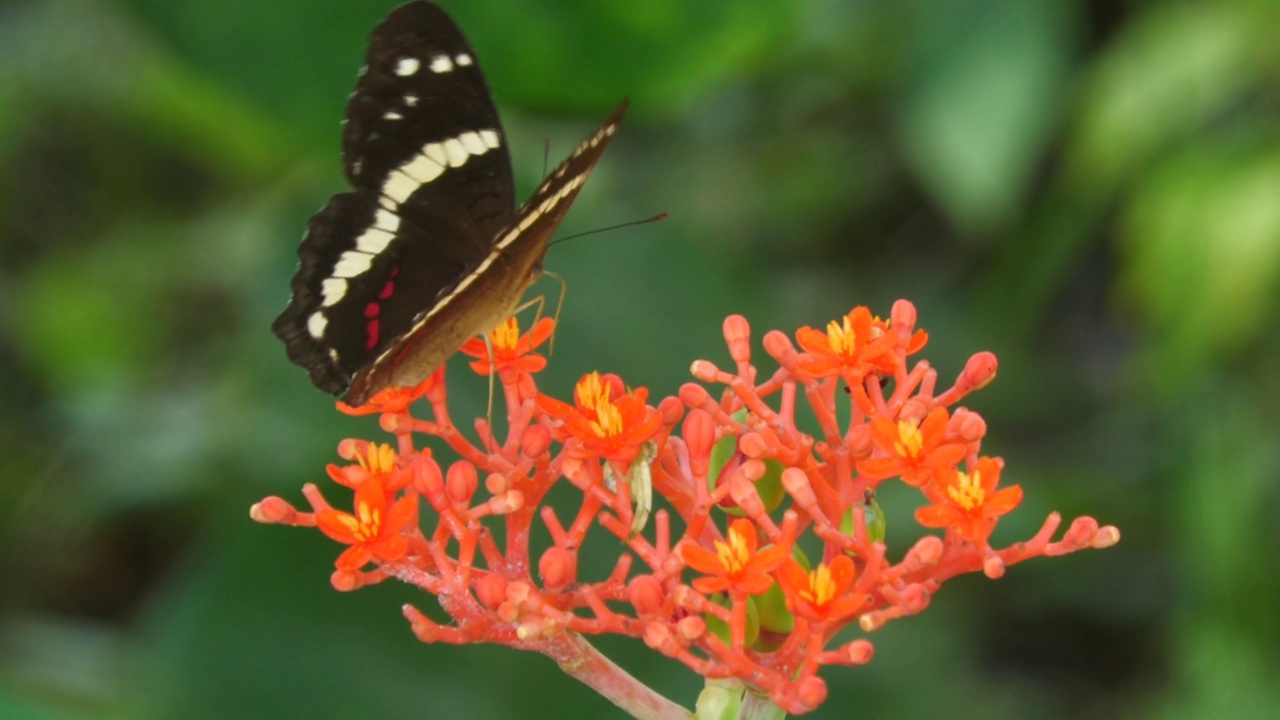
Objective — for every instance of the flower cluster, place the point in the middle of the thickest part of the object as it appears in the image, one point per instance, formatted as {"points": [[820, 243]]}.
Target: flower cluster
{"points": [[767, 540]]}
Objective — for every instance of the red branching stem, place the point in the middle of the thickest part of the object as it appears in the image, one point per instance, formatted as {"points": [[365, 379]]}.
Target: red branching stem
{"points": [[826, 485]]}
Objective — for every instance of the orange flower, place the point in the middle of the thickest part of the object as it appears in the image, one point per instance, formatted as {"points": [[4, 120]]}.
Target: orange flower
{"points": [[854, 348], [375, 531], [372, 459], [511, 350], [393, 399], [915, 448], [613, 429], [821, 594], [970, 502], [735, 565]]}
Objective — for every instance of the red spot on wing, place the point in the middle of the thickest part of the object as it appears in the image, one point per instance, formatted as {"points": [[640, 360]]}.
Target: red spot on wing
{"points": [[387, 289], [373, 309]]}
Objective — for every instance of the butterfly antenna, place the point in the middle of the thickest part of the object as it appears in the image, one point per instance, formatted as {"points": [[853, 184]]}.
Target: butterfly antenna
{"points": [[656, 218]]}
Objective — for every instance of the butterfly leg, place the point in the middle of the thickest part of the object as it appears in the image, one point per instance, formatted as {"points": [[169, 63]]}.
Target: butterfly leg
{"points": [[488, 346], [564, 288]]}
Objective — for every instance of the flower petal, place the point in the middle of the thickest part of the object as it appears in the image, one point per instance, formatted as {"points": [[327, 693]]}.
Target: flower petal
{"points": [[1002, 501], [701, 559], [937, 516]]}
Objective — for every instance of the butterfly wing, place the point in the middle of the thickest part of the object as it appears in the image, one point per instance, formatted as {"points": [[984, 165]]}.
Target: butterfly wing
{"points": [[425, 151], [493, 288]]}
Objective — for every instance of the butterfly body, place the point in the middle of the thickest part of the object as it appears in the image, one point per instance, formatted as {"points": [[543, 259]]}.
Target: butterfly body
{"points": [[428, 250]]}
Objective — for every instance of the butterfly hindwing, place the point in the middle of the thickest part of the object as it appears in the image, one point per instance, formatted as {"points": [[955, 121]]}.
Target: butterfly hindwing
{"points": [[348, 305]]}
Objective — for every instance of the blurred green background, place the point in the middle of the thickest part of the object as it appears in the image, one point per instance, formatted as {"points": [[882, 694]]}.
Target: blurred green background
{"points": [[1089, 189]]}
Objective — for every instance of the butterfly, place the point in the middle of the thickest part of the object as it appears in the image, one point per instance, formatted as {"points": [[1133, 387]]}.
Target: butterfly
{"points": [[428, 249]]}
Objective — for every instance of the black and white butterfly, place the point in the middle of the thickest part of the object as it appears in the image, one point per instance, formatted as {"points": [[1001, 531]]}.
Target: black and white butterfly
{"points": [[429, 248]]}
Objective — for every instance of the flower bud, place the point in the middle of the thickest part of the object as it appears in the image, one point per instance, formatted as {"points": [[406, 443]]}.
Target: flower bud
{"points": [[737, 335], [491, 590], [461, 482], [556, 568], [535, 441], [978, 372], [903, 317], [812, 692], [699, 434], [671, 410], [645, 594], [704, 370]]}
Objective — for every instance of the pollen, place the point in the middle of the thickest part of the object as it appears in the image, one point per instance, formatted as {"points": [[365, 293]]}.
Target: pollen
{"points": [[608, 420], [967, 491], [592, 391], [380, 459], [822, 589], [593, 394], [910, 439], [367, 521], [734, 554], [506, 335], [842, 338]]}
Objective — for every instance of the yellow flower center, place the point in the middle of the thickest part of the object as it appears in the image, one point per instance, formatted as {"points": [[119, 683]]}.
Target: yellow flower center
{"points": [[365, 523], [822, 589], [841, 338], [593, 394], [506, 335], [734, 554], [967, 491], [591, 389], [380, 459], [910, 439], [608, 420]]}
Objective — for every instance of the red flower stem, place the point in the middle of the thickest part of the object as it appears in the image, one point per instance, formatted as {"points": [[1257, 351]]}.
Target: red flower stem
{"points": [[518, 532], [738, 624], [493, 557], [823, 411], [904, 389], [786, 404], [746, 394], [676, 487], [580, 660], [780, 380]]}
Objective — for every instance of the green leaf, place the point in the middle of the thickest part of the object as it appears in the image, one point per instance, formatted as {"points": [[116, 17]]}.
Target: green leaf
{"points": [[1202, 252], [986, 84], [1175, 67]]}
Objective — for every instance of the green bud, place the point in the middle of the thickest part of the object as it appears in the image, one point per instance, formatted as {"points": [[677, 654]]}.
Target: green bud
{"points": [[719, 700], [872, 516]]}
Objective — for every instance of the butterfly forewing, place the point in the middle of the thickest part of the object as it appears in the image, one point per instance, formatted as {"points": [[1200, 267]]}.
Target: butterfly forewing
{"points": [[490, 291], [421, 128]]}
